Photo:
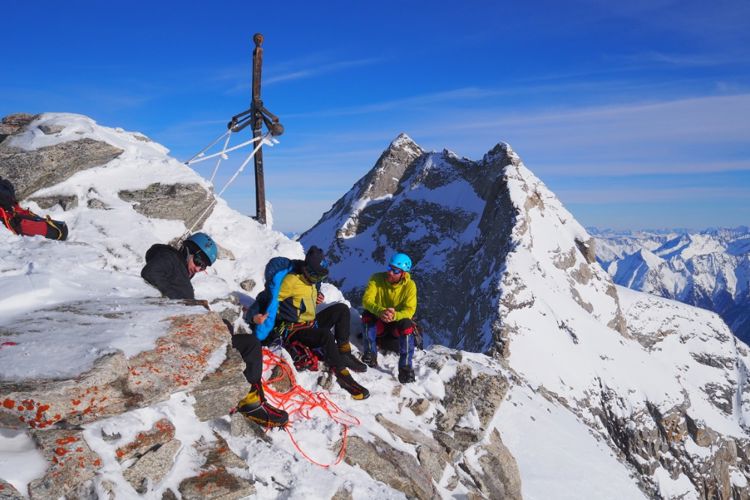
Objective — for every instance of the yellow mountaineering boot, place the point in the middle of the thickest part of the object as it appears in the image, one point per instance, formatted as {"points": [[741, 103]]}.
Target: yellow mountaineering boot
{"points": [[254, 408], [345, 380]]}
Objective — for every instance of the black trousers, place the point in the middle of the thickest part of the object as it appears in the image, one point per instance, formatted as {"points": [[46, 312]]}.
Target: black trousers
{"points": [[336, 317], [252, 354]]}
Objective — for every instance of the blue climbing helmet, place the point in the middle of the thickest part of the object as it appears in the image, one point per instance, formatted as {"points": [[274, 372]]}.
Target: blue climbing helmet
{"points": [[205, 244], [401, 261]]}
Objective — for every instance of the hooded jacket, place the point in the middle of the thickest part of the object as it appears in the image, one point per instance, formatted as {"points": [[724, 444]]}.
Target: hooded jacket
{"points": [[166, 269], [380, 295]]}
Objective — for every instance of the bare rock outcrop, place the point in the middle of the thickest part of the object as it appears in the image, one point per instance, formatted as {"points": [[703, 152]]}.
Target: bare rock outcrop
{"points": [[395, 468], [152, 466], [39, 168], [71, 461], [221, 389], [497, 474], [218, 477], [186, 202]]}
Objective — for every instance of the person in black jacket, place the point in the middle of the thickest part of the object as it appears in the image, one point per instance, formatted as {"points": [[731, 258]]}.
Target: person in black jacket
{"points": [[170, 270]]}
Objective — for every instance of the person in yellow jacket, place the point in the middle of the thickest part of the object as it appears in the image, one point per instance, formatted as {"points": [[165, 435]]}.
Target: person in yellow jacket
{"points": [[390, 301], [297, 298]]}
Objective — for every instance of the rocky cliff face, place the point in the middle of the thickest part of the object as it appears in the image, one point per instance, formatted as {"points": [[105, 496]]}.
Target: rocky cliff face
{"points": [[503, 268]]}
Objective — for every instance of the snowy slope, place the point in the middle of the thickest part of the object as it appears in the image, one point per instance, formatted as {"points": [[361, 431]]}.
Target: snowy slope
{"points": [[94, 275]]}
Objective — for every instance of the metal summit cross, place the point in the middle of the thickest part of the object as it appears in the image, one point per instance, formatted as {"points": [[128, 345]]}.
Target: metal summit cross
{"points": [[256, 116]]}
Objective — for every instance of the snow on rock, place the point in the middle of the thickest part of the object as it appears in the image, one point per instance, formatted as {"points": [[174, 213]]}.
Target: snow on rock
{"points": [[589, 389]]}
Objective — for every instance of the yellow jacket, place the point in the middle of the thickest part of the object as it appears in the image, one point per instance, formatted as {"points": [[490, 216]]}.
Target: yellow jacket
{"points": [[302, 295], [380, 295]]}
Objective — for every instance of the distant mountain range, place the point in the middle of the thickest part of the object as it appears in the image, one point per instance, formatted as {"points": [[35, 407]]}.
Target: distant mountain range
{"points": [[708, 269]]}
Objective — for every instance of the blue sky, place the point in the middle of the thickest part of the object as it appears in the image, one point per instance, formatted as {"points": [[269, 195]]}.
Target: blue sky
{"points": [[636, 114]]}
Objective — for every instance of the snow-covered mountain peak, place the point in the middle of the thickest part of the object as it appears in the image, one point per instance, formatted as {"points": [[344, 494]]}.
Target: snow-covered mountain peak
{"points": [[459, 220], [709, 269], [404, 142], [502, 267]]}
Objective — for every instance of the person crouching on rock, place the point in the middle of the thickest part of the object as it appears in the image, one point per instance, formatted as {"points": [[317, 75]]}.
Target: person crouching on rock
{"points": [[390, 301], [170, 271], [298, 296]]}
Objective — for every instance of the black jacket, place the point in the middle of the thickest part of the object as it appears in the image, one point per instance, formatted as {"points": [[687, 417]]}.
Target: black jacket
{"points": [[166, 269]]}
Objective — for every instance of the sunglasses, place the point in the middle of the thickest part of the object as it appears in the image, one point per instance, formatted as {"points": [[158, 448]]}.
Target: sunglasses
{"points": [[201, 260], [394, 270]]}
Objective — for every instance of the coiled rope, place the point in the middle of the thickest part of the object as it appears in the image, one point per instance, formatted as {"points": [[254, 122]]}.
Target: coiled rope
{"points": [[299, 402]]}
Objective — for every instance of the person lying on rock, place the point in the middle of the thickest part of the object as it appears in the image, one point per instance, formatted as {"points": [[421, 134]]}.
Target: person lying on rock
{"points": [[389, 302], [170, 271], [297, 320]]}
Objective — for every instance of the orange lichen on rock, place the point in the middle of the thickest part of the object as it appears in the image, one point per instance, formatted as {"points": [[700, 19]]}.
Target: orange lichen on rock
{"points": [[9, 403], [67, 440]]}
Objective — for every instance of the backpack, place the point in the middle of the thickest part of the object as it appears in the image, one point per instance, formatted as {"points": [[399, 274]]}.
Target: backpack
{"points": [[25, 222], [276, 269]]}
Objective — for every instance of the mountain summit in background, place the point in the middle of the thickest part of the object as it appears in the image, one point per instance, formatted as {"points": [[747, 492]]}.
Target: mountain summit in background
{"points": [[708, 269], [576, 387]]}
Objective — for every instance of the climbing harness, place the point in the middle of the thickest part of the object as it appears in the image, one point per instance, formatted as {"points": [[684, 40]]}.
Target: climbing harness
{"points": [[301, 402]]}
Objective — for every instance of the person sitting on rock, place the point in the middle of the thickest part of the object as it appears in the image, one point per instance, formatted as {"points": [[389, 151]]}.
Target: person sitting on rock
{"points": [[298, 321], [390, 301], [170, 271]]}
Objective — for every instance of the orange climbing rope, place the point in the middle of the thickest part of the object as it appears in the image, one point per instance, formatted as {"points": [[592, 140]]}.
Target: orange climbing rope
{"points": [[299, 401]]}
